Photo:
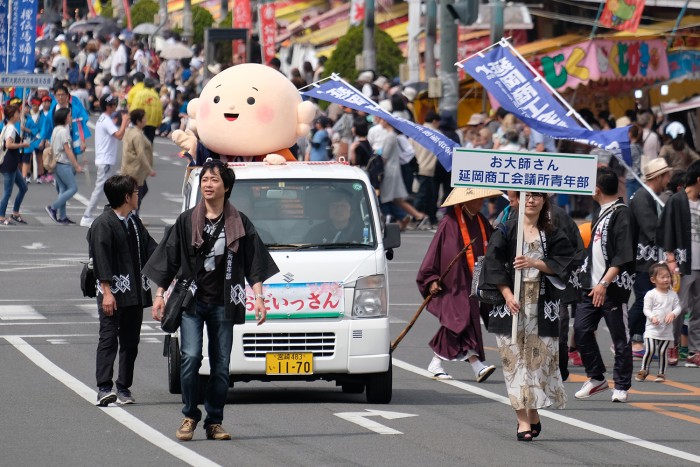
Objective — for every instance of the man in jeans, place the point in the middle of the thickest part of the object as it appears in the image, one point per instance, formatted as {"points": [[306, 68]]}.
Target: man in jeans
{"points": [[217, 246], [106, 136], [606, 282], [119, 247]]}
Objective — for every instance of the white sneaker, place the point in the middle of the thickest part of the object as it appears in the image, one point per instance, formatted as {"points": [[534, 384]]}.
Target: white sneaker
{"points": [[619, 395], [591, 387], [86, 221]]}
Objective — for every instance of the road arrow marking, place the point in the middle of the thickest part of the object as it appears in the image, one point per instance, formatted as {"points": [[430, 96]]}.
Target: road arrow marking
{"points": [[360, 418], [35, 246]]}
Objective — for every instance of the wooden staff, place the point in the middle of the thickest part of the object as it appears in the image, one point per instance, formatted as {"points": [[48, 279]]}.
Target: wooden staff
{"points": [[429, 297]]}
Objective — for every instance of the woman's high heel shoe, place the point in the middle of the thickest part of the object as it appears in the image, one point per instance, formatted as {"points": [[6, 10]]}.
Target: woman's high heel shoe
{"points": [[536, 429], [524, 435]]}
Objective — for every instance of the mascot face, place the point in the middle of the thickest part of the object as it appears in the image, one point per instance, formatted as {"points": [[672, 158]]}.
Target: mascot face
{"points": [[248, 110]]}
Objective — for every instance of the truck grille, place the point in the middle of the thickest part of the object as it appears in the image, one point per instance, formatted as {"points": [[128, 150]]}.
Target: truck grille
{"points": [[256, 345]]}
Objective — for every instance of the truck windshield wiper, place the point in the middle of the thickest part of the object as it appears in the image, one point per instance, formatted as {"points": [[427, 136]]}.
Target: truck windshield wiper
{"points": [[330, 246], [276, 246]]}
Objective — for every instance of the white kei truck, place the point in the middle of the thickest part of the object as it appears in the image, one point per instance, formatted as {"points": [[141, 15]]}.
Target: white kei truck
{"points": [[328, 307]]}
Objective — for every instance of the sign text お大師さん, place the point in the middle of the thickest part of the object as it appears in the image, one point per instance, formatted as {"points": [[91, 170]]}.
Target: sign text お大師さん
{"points": [[524, 171]]}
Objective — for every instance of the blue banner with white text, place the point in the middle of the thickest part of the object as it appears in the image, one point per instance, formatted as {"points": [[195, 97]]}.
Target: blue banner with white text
{"points": [[21, 22], [521, 93], [337, 91]]}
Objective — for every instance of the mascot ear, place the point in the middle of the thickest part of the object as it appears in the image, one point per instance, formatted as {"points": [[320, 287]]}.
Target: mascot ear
{"points": [[305, 115], [192, 107]]}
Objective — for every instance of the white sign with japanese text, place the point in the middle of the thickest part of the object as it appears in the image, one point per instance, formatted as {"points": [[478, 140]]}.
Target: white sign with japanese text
{"points": [[524, 171], [25, 80]]}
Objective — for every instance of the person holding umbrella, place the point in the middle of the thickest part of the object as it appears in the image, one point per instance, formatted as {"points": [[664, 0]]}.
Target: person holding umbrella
{"points": [[459, 336]]}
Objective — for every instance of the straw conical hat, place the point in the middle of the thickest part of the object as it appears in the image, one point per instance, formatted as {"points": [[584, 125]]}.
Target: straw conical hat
{"points": [[462, 195]]}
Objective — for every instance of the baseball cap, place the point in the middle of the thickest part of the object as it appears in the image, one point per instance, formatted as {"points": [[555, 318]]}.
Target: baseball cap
{"points": [[108, 100], [674, 129]]}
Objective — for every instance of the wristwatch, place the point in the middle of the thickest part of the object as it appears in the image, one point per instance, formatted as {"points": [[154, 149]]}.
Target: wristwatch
{"points": [[604, 283], [259, 295]]}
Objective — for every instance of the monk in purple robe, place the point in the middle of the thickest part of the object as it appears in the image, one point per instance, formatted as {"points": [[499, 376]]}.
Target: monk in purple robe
{"points": [[459, 337]]}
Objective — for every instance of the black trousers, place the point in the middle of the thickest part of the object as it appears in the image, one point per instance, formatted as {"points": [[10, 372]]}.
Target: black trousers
{"points": [[150, 132], [642, 285], [585, 325], [565, 312], [121, 331]]}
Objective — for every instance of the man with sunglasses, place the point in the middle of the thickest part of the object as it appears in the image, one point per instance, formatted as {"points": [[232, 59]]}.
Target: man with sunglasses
{"points": [[218, 247]]}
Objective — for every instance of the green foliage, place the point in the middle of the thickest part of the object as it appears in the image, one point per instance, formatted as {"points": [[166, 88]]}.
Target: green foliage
{"points": [[201, 20], [228, 21], [389, 56], [107, 9], [143, 11]]}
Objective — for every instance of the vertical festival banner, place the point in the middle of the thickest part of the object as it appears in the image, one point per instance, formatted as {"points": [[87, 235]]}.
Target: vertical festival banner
{"points": [[127, 11], [357, 12], [622, 14], [91, 9], [17, 50], [268, 30], [242, 19]]}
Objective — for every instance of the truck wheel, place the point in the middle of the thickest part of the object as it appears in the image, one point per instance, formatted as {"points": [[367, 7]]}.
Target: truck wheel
{"points": [[379, 387], [353, 388], [174, 364]]}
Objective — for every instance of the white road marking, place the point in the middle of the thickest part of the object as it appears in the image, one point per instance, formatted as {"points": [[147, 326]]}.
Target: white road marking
{"points": [[35, 246], [151, 340], [558, 417], [57, 341], [28, 268], [19, 312], [168, 220], [139, 427], [81, 199], [360, 418]]}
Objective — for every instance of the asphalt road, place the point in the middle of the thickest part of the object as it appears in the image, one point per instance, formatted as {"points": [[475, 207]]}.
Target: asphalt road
{"points": [[48, 336]]}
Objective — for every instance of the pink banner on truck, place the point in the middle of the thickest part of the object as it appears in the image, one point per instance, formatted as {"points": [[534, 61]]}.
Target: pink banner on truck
{"points": [[596, 60]]}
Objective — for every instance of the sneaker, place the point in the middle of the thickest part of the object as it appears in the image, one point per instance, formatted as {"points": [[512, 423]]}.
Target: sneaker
{"points": [[52, 213], [693, 361], [105, 396], [638, 353], [590, 388], [642, 375], [217, 432], [673, 356], [575, 358], [17, 218], [660, 378], [86, 221], [186, 430], [619, 395], [485, 373], [124, 397], [6, 221], [65, 221]]}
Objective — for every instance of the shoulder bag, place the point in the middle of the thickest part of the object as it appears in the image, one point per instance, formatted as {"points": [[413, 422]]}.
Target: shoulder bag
{"points": [[181, 296]]}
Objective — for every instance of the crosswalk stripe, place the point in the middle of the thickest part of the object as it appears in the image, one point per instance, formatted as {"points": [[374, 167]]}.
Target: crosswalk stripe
{"points": [[19, 312]]}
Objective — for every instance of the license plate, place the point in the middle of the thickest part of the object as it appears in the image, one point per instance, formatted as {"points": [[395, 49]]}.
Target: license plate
{"points": [[289, 363]]}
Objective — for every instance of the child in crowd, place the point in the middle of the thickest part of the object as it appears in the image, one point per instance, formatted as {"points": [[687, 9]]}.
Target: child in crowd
{"points": [[661, 307]]}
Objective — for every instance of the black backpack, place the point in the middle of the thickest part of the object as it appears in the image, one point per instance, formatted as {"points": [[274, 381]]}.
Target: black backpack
{"points": [[375, 171]]}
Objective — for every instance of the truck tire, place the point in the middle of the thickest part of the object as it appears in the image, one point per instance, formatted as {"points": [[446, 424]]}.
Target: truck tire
{"points": [[353, 388], [174, 364], [379, 387]]}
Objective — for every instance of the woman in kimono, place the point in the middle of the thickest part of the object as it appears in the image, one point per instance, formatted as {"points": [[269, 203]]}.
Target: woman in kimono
{"points": [[531, 362]]}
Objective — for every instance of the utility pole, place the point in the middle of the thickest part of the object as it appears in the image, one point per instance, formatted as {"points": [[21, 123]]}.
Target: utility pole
{"points": [[187, 29], [369, 54], [448, 57], [162, 13], [430, 33], [497, 28], [414, 18]]}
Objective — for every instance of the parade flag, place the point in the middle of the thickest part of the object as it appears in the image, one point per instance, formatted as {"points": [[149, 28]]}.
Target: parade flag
{"points": [[66, 15], [91, 9], [127, 11], [509, 80], [242, 19], [268, 30], [22, 26], [622, 14], [335, 90], [357, 12]]}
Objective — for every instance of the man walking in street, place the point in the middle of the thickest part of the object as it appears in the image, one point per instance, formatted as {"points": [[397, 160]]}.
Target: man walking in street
{"points": [[148, 100], [679, 235], [218, 247], [607, 278], [106, 136], [645, 217], [119, 247]]}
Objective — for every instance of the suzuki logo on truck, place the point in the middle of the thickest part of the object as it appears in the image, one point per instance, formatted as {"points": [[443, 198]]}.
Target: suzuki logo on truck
{"points": [[289, 277]]}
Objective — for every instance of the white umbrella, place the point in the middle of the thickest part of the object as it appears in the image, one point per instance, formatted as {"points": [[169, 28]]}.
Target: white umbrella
{"points": [[176, 51], [145, 29]]}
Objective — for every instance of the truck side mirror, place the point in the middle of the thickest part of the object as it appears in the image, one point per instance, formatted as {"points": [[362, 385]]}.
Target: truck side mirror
{"points": [[392, 236]]}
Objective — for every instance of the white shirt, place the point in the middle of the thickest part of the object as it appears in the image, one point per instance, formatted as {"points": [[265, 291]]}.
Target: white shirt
{"points": [[141, 61], [105, 142], [118, 66], [376, 136], [598, 267], [652, 145], [694, 234], [660, 305]]}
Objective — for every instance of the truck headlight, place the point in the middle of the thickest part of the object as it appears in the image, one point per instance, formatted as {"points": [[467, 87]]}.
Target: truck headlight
{"points": [[370, 297]]}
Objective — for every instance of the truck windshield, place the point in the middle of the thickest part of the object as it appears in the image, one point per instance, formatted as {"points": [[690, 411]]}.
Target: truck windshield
{"points": [[300, 214]]}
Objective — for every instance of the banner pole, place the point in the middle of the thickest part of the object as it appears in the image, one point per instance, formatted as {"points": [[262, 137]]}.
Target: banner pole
{"points": [[9, 29], [505, 39], [520, 237]]}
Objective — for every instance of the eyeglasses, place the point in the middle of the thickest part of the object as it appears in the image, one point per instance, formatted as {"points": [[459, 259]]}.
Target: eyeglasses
{"points": [[535, 196]]}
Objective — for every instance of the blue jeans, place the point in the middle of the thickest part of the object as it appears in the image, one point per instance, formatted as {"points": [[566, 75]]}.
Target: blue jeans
{"points": [[220, 334], [9, 179], [67, 187]]}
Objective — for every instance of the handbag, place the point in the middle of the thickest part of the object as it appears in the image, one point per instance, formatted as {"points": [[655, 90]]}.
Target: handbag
{"points": [[88, 283], [482, 293], [181, 296], [48, 159]]}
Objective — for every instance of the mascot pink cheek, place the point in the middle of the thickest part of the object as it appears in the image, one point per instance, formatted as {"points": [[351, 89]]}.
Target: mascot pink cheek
{"points": [[265, 114], [203, 111]]}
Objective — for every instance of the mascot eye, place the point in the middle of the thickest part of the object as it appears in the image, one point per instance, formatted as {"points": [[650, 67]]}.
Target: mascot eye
{"points": [[251, 100], [216, 100]]}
